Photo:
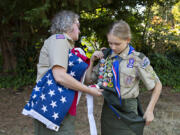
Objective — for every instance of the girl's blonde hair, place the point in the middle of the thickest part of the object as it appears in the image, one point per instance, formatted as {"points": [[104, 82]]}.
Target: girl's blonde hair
{"points": [[121, 30]]}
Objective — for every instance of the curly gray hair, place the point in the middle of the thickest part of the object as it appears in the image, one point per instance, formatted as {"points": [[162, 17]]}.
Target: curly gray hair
{"points": [[63, 21]]}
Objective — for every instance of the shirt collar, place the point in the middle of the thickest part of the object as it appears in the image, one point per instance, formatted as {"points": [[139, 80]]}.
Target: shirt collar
{"points": [[69, 39], [123, 54]]}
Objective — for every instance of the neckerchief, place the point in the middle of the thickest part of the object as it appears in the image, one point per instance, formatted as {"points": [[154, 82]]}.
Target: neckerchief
{"points": [[116, 75]]}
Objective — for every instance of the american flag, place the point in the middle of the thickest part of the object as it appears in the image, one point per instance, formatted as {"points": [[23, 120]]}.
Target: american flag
{"points": [[49, 101]]}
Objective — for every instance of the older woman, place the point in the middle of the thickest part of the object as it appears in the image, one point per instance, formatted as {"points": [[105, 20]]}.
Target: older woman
{"points": [[55, 55]]}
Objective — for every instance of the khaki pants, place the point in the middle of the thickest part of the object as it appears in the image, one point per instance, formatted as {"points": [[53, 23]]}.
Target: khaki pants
{"points": [[66, 128]]}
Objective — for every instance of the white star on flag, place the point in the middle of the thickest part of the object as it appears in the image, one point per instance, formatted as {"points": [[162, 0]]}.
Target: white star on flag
{"points": [[70, 54], [71, 63], [32, 103], [51, 97], [80, 60], [72, 73], [53, 104], [48, 75], [36, 88], [55, 115], [60, 90], [49, 82], [51, 93], [28, 104], [43, 97], [44, 108], [63, 99], [34, 96]]}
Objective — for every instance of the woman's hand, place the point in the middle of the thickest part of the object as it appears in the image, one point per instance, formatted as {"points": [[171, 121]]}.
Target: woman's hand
{"points": [[97, 55], [96, 92]]}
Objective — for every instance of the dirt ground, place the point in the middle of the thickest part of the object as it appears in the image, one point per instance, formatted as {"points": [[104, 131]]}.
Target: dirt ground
{"points": [[12, 122]]}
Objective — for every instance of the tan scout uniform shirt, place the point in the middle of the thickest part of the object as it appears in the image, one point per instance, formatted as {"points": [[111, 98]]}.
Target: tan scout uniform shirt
{"points": [[54, 52], [130, 76]]}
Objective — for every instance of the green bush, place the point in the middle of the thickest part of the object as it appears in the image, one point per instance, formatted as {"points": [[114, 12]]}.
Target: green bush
{"points": [[167, 68], [25, 73], [17, 81]]}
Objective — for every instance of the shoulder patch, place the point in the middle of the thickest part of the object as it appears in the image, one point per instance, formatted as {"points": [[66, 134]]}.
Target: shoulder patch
{"points": [[141, 55], [145, 62], [60, 36]]}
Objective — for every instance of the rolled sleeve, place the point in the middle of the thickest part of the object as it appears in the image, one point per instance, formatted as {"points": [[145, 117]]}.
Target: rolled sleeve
{"points": [[148, 76], [58, 51]]}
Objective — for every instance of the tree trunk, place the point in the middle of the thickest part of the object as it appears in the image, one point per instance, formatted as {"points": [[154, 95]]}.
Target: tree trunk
{"points": [[8, 58]]}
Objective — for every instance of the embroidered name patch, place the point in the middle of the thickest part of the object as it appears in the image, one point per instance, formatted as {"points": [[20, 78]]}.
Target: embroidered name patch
{"points": [[60, 36], [131, 63]]}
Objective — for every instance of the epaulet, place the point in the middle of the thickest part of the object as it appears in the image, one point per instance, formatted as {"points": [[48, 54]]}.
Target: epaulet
{"points": [[141, 55], [141, 59], [60, 36]]}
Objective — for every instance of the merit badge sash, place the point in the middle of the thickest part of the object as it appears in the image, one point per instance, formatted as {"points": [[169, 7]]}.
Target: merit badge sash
{"points": [[49, 101]]}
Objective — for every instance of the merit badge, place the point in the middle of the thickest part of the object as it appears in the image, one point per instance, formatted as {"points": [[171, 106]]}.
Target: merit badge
{"points": [[109, 70], [110, 79], [102, 61], [101, 73], [105, 84], [110, 74], [105, 75], [131, 63], [102, 65], [100, 77], [110, 84], [105, 80], [101, 69], [60, 36], [100, 80], [99, 83]]}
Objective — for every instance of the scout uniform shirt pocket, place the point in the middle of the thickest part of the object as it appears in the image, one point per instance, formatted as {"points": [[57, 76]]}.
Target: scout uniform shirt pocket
{"points": [[127, 75]]}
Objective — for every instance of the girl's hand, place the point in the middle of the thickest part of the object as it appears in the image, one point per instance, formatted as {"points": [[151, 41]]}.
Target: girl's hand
{"points": [[148, 116], [97, 55]]}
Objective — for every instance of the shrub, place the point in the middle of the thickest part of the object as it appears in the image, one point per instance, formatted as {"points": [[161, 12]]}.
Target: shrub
{"points": [[167, 68]]}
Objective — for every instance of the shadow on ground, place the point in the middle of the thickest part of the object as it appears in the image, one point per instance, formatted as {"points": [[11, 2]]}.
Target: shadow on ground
{"points": [[167, 113]]}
